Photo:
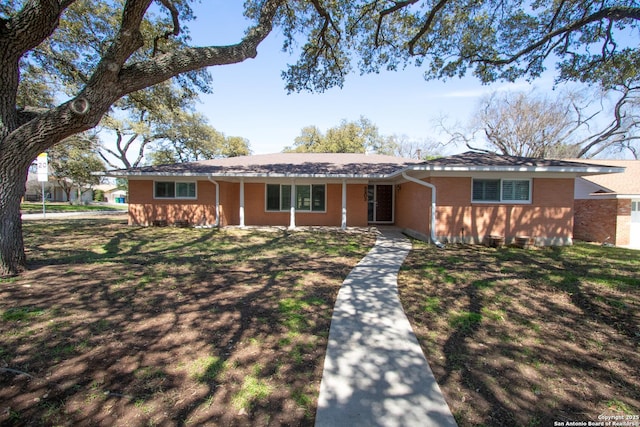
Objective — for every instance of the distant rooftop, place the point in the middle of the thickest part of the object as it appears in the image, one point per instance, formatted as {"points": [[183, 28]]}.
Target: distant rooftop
{"points": [[619, 183]]}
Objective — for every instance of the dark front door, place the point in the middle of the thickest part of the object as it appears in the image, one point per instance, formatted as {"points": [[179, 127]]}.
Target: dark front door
{"points": [[380, 203]]}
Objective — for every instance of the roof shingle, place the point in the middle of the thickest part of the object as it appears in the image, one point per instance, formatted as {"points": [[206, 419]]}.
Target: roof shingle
{"points": [[289, 164]]}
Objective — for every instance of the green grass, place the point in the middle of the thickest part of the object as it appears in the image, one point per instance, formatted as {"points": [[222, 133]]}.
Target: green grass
{"points": [[206, 369], [431, 305], [464, 320], [253, 390], [17, 314], [293, 310]]}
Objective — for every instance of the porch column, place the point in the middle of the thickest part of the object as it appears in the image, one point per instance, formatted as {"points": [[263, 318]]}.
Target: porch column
{"points": [[292, 219], [242, 202], [217, 204], [344, 205]]}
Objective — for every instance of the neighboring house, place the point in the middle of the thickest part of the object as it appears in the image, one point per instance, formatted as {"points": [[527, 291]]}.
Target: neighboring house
{"points": [[608, 206], [53, 191], [462, 198], [111, 193]]}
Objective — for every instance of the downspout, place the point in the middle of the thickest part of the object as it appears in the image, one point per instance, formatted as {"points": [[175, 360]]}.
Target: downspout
{"points": [[241, 225], [217, 224], [434, 240]]}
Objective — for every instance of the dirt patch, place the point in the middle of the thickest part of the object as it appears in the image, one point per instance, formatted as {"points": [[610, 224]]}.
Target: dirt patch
{"points": [[120, 326], [529, 337]]}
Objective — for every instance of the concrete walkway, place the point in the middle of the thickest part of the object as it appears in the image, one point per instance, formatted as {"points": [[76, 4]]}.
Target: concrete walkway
{"points": [[375, 373]]}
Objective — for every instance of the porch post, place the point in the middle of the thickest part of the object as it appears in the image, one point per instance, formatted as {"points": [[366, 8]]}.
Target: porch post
{"points": [[344, 205], [242, 202], [218, 204], [292, 220]]}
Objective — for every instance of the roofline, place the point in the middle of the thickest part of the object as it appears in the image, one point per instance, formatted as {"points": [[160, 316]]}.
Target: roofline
{"points": [[588, 170], [592, 170], [614, 195], [250, 175]]}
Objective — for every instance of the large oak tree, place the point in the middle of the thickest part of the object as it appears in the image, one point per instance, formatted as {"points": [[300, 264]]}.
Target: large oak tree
{"points": [[491, 39]]}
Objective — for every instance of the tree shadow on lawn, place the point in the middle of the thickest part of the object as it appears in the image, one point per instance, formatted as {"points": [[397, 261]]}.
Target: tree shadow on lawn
{"points": [[166, 326], [519, 337]]}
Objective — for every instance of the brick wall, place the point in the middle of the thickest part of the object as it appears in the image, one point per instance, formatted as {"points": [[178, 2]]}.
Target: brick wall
{"points": [[603, 220], [548, 218]]}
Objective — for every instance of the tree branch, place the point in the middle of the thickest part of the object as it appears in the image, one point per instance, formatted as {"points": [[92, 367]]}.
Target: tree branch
{"points": [[615, 128], [147, 73], [388, 11], [614, 13], [111, 80], [176, 25], [427, 25], [30, 26]]}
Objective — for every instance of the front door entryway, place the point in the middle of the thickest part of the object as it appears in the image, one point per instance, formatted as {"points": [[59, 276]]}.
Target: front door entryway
{"points": [[380, 198]]}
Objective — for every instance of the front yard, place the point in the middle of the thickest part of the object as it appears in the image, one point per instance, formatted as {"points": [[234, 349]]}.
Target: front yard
{"points": [[126, 326], [529, 337]]}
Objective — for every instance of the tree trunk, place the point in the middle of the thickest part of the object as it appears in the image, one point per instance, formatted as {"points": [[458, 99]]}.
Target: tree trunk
{"points": [[12, 180]]}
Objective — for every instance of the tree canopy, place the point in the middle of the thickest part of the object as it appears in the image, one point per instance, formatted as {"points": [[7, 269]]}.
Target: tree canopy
{"points": [[359, 136], [102, 50], [187, 137], [73, 162], [493, 40]]}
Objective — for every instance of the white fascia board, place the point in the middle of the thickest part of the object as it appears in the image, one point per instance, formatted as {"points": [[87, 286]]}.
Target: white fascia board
{"points": [[577, 171], [614, 196], [556, 169]]}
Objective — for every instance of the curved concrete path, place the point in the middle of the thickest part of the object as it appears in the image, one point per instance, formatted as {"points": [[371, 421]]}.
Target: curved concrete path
{"points": [[375, 373]]}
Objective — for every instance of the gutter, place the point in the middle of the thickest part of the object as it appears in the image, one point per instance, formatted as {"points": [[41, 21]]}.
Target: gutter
{"points": [[432, 230], [210, 178]]}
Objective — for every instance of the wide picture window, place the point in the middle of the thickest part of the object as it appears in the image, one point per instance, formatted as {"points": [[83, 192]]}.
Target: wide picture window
{"points": [[175, 190], [501, 190], [307, 197]]}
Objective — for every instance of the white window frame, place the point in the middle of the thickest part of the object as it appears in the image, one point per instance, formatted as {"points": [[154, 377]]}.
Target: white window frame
{"points": [[287, 208], [501, 198], [175, 190]]}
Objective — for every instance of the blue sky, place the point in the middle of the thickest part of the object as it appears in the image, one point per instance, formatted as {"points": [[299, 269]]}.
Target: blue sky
{"points": [[249, 98]]}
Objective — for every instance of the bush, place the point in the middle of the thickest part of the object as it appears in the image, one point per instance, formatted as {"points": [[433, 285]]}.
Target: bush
{"points": [[98, 196]]}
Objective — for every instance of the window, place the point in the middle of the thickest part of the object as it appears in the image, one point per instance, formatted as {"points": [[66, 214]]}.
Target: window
{"points": [[501, 190], [273, 197], [515, 190], [307, 197], [486, 190], [175, 190]]}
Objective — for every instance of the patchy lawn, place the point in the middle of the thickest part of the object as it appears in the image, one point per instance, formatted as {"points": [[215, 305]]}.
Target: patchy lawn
{"points": [[126, 326], [529, 337]]}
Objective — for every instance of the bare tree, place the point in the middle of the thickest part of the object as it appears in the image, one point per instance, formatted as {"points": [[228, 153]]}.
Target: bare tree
{"points": [[534, 125], [404, 146]]}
